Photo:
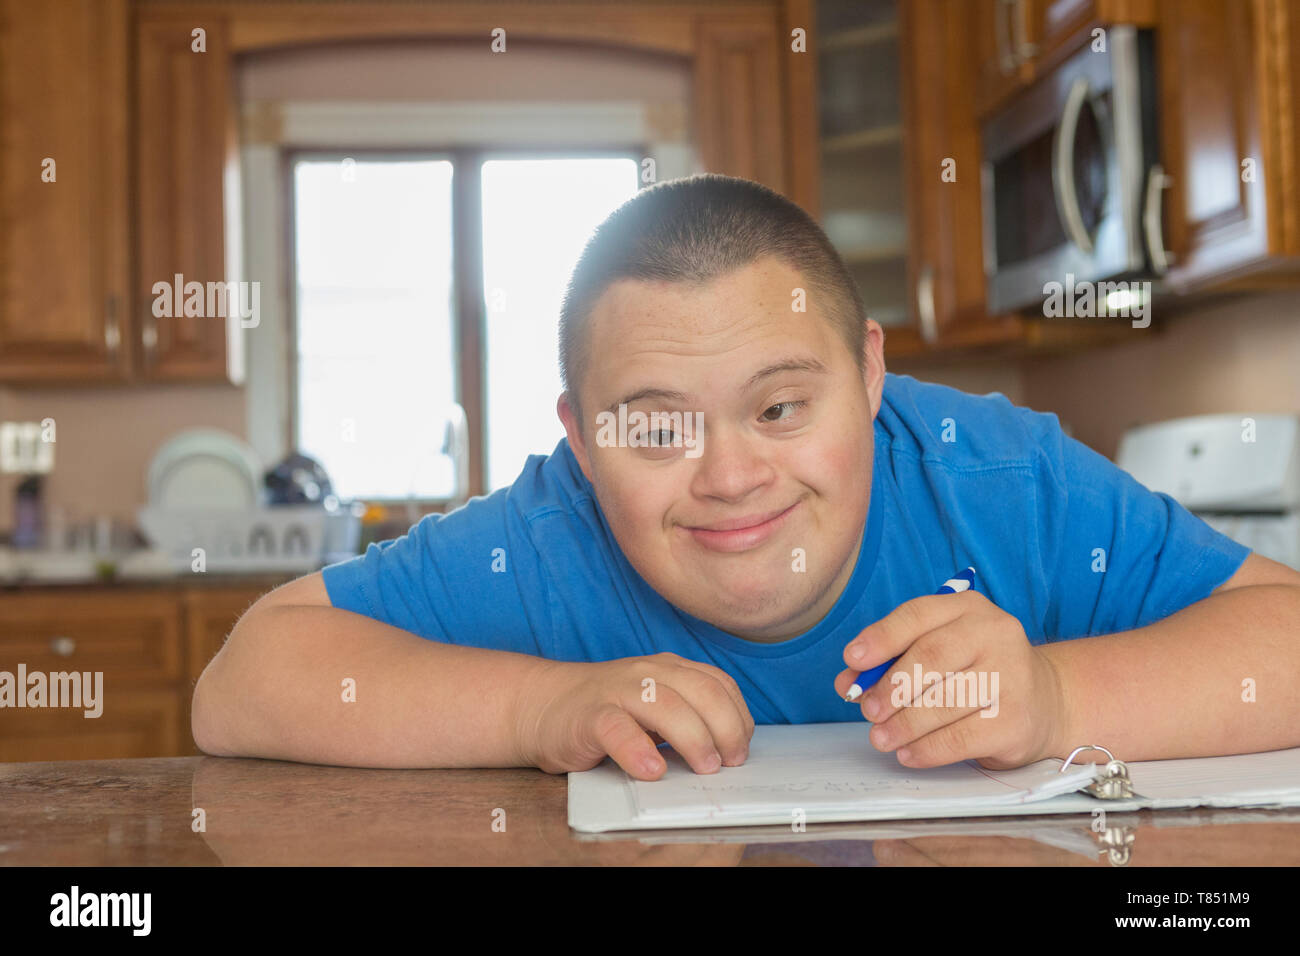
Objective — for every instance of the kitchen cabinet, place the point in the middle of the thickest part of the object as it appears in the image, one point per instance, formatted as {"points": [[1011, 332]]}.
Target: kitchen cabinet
{"points": [[1004, 48], [861, 131], [76, 295], [899, 169], [149, 190], [150, 643], [64, 283], [1016, 41], [187, 183], [1229, 115]]}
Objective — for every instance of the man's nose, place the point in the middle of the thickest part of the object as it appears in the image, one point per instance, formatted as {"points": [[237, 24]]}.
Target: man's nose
{"points": [[731, 465]]}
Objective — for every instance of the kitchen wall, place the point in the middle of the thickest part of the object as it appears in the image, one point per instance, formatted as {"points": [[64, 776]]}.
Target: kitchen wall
{"points": [[105, 438], [1237, 353]]}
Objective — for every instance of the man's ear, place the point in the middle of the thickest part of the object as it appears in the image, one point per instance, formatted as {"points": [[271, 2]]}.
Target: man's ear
{"points": [[573, 429], [873, 363]]}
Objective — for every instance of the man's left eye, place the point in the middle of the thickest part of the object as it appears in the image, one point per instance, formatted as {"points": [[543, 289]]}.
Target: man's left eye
{"points": [[781, 408]]}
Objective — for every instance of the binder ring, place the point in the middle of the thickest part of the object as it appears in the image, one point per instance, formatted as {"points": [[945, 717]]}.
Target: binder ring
{"points": [[1073, 753], [1113, 782]]}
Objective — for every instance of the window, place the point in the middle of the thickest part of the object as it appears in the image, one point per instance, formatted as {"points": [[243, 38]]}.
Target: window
{"points": [[537, 216], [374, 323], [377, 327]]}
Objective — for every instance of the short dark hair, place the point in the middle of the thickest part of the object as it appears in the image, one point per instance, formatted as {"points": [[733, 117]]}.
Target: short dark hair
{"points": [[696, 229]]}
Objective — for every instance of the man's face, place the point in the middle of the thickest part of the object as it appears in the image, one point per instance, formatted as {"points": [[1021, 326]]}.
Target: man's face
{"points": [[781, 477]]}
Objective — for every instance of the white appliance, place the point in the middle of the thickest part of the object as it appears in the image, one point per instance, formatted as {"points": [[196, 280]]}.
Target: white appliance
{"points": [[1239, 473]]}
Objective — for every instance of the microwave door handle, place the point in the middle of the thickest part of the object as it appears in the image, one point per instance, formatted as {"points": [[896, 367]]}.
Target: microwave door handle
{"points": [[1152, 227], [1063, 188]]}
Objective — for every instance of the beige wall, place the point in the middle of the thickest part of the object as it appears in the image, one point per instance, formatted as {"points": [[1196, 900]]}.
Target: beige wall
{"points": [[977, 377], [455, 71], [105, 438], [1237, 355]]}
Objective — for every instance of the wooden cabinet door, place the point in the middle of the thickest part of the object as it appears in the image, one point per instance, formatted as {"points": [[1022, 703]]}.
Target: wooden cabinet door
{"points": [[133, 637], [1056, 29], [139, 722], [130, 638], [187, 181], [63, 191], [738, 110], [1229, 112], [1002, 42], [1019, 41], [945, 264]]}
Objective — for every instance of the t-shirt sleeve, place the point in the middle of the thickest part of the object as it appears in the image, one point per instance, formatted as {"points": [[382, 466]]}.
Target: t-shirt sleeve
{"points": [[1117, 555], [470, 577]]}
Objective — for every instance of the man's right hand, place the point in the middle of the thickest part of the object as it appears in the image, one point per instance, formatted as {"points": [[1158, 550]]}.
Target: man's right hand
{"points": [[571, 715]]}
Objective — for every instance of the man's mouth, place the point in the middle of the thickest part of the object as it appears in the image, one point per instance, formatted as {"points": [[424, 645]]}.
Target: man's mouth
{"points": [[741, 534]]}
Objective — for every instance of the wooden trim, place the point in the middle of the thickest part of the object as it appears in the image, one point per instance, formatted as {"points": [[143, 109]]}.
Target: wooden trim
{"points": [[1209, 245], [1277, 76], [665, 27], [739, 125], [802, 125]]}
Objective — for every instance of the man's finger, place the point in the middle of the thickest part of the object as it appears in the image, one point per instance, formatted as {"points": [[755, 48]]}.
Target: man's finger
{"points": [[894, 633]]}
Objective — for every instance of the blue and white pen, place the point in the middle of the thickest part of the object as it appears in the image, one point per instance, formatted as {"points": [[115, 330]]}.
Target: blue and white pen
{"points": [[961, 582]]}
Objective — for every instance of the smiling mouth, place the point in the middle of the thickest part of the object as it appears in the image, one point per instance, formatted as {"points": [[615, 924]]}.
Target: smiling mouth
{"points": [[741, 534]]}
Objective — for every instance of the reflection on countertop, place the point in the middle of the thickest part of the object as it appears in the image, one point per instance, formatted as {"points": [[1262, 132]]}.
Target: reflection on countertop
{"points": [[210, 811]]}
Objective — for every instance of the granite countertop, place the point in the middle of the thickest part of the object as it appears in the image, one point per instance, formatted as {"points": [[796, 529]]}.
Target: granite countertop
{"points": [[145, 812]]}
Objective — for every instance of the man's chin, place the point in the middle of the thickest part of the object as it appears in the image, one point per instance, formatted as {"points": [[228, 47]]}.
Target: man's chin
{"points": [[761, 612]]}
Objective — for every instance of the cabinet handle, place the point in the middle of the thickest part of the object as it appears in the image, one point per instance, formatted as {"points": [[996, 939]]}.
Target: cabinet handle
{"points": [[62, 646], [925, 305], [1152, 227], [112, 330], [149, 335], [1021, 47], [1002, 33]]}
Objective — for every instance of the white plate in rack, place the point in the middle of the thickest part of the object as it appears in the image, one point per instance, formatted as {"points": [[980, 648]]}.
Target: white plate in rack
{"points": [[205, 469]]}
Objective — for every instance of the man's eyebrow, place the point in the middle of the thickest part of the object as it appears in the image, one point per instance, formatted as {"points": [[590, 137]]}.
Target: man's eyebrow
{"points": [[660, 393], [792, 364]]}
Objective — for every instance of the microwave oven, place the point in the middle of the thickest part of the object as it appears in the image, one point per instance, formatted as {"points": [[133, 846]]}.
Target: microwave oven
{"points": [[1070, 175]]}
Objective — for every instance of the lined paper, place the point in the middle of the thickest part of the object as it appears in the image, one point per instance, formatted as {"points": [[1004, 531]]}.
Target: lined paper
{"points": [[1237, 780], [833, 767]]}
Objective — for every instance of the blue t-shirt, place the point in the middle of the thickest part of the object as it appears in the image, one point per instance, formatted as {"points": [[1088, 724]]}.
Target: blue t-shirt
{"points": [[1061, 538]]}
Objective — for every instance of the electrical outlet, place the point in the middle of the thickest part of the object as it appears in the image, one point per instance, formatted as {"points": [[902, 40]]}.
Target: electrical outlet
{"points": [[27, 448]]}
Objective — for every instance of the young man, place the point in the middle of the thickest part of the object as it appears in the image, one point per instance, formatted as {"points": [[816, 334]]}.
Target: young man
{"points": [[775, 520]]}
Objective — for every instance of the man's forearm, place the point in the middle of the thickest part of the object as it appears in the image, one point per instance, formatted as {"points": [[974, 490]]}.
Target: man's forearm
{"points": [[277, 690], [1218, 677]]}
